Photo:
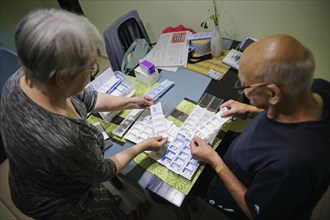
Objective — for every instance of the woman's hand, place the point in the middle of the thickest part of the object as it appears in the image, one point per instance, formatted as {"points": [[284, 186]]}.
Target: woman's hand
{"points": [[108, 103], [122, 158], [153, 143], [140, 102], [144, 102]]}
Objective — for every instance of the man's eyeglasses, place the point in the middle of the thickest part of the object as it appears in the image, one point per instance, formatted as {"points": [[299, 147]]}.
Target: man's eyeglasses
{"points": [[240, 89], [94, 71]]}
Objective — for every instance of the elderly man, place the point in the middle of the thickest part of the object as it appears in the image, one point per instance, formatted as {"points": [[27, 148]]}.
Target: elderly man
{"points": [[279, 167]]}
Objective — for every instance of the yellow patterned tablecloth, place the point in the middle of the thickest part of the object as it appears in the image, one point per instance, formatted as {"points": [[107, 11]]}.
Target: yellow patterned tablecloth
{"points": [[216, 64]]}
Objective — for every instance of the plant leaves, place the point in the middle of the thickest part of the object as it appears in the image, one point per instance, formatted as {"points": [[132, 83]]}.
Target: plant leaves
{"points": [[205, 25]]}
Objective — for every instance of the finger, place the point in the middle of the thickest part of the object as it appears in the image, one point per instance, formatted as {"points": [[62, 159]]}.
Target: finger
{"points": [[149, 99], [192, 143], [197, 139], [226, 104], [230, 112], [164, 140], [195, 143], [159, 138]]}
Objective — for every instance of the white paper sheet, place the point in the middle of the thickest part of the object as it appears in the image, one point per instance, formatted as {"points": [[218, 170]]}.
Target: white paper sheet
{"points": [[171, 50]]}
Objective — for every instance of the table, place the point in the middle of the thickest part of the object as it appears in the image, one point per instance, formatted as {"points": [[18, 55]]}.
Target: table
{"points": [[184, 80], [191, 85]]}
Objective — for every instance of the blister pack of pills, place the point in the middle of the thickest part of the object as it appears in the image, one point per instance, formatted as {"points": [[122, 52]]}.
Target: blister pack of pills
{"points": [[210, 102], [158, 120], [160, 89], [127, 122], [208, 130], [141, 129], [177, 157], [195, 119]]}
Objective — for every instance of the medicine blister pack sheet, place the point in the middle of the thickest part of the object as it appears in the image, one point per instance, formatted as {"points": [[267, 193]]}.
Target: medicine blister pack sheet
{"points": [[176, 156], [143, 128]]}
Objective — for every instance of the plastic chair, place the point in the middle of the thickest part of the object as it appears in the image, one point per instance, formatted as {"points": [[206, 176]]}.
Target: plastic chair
{"points": [[120, 35]]}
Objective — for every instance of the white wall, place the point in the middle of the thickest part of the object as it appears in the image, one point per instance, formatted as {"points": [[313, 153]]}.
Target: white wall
{"points": [[11, 11], [306, 20]]}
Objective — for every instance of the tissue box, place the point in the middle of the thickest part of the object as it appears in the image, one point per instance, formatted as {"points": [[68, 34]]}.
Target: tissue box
{"points": [[145, 77]]}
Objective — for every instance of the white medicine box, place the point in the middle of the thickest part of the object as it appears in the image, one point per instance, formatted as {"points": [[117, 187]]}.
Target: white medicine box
{"points": [[146, 77]]}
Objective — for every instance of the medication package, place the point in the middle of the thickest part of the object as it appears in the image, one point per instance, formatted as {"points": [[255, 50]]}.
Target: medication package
{"points": [[176, 155]]}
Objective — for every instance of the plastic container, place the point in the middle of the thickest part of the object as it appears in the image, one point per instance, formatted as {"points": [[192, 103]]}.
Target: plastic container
{"points": [[125, 88]]}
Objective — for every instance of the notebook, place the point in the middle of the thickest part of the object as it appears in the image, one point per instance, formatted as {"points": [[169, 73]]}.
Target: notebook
{"points": [[232, 58]]}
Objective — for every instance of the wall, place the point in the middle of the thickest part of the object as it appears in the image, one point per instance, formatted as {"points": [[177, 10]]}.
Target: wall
{"points": [[11, 11], [307, 20]]}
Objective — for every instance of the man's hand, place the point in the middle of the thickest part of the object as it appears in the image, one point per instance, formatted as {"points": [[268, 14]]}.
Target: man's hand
{"points": [[202, 151], [239, 110]]}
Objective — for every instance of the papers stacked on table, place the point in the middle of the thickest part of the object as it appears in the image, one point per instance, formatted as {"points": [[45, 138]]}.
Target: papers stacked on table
{"points": [[170, 52]]}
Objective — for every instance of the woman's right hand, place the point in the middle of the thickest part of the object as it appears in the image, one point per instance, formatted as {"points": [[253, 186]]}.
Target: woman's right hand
{"points": [[154, 143]]}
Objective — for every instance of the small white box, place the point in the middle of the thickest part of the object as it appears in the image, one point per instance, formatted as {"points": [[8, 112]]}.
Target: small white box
{"points": [[146, 78]]}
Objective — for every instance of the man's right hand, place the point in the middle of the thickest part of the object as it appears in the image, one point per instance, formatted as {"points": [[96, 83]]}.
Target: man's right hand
{"points": [[239, 110], [202, 151]]}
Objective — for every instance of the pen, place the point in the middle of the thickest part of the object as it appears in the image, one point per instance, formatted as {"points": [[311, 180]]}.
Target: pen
{"points": [[109, 91]]}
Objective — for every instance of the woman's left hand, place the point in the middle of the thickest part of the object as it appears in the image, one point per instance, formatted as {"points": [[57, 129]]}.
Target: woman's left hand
{"points": [[142, 102]]}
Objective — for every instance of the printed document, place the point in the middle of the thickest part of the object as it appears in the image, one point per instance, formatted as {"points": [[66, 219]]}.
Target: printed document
{"points": [[171, 50]]}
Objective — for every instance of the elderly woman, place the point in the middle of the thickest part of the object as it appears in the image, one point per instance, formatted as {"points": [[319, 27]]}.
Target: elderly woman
{"points": [[56, 165]]}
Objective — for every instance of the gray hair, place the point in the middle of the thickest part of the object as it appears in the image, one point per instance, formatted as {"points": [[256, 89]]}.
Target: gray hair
{"points": [[293, 77], [49, 40]]}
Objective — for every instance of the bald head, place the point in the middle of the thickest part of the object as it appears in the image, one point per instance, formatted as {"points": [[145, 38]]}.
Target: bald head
{"points": [[276, 59], [277, 48]]}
